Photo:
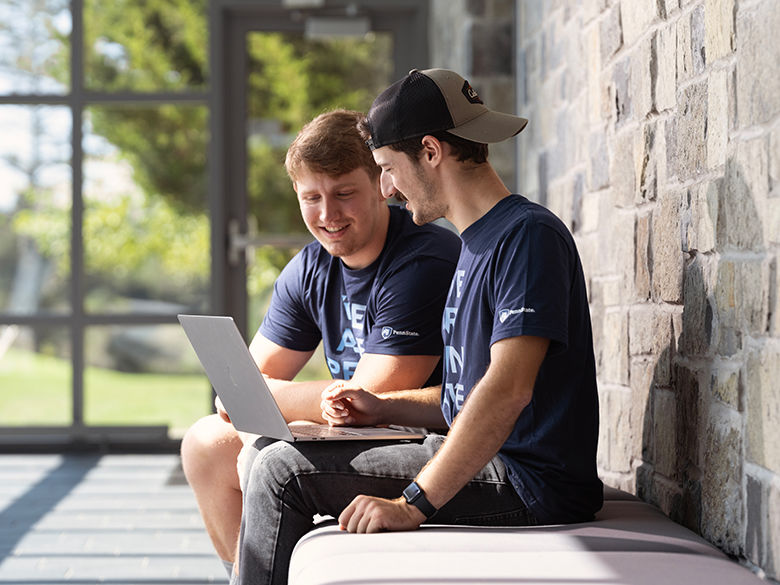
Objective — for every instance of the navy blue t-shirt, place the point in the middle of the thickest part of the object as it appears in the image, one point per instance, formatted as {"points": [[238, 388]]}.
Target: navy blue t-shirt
{"points": [[392, 307], [519, 273]]}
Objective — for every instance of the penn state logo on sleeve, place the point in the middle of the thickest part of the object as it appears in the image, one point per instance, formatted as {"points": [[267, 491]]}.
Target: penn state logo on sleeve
{"points": [[504, 314], [388, 332]]}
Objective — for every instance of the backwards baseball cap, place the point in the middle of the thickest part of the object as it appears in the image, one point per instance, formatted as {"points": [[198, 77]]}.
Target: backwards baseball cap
{"points": [[433, 100]]}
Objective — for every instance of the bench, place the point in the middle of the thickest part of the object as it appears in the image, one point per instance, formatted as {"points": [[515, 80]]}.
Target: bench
{"points": [[629, 543]]}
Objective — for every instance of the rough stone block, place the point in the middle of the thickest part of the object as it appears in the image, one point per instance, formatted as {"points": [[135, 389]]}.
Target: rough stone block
{"points": [[742, 195], [665, 433], [762, 372], [700, 219], [641, 81], [602, 453], [636, 16], [698, 55], [649, 161], [772, 561], [774, 162], [753, 159], [614, 350], [622, 169], [756, 520], [719, 28], [574, 57], [593, 70], [684, 51], [691, 122], [666, 7], [559, 201], [643, 383], [611, 34], [667, 250], [698, 312], [758, 90], [620, 431], [717, 117], [726, 384], [729, 333], [689, 421], [589, 213], [552, 46], [774, 295], [576, 202], [650, 330], [642, 257], [721, 482], [752, 298], [621, 82], [592, 8], [670, 132], [598, 164], [663, 68]]}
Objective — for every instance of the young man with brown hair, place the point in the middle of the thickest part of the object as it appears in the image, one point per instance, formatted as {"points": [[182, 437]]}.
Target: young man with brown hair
{"points": [[371, 288], [519, 384]]}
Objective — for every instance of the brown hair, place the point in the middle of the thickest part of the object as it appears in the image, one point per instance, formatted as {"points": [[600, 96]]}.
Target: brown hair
{"points": [[331, 144], [463, 149]]}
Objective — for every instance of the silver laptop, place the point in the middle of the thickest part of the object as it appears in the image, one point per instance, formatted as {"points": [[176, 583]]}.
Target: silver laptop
{"points": [[232, 371]]}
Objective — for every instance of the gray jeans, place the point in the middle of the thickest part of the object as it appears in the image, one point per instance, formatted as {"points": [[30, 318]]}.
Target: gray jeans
{"points": [[288, 483]]}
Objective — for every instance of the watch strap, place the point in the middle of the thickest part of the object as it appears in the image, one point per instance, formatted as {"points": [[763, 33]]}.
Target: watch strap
{"points": [[414, 495]]}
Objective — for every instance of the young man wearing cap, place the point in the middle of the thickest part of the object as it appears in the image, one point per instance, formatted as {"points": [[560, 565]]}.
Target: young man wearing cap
{"points": [[519, 387], [372, 288]]}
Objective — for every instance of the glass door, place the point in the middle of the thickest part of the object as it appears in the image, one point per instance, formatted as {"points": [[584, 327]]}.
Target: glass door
{"points": [[291, 77], [285, 63]]}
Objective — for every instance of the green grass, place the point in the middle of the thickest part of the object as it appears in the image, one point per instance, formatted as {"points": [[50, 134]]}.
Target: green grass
{"points": [[36, 390]]}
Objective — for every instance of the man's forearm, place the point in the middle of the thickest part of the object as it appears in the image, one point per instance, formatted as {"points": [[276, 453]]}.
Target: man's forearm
{"points": [[299, 400], [414, 408], [487, 418]]}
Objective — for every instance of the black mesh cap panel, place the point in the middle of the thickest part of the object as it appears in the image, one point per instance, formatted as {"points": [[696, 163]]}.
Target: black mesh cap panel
{"points": [[412, 106]]}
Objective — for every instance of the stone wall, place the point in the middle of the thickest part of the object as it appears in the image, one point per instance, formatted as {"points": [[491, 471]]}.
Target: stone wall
{"points": [[475, 38], [655, 135]]}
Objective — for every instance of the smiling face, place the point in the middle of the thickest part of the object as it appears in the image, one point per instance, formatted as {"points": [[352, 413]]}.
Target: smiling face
{"points": [[347, 214], [407, 180]]}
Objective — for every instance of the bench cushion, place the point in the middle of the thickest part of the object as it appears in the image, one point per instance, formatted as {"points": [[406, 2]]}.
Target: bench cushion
{"points": [[629, 542]]}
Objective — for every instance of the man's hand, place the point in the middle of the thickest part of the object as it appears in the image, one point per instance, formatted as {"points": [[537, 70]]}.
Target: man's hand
{"points": [[369, 514], [343, 404]]}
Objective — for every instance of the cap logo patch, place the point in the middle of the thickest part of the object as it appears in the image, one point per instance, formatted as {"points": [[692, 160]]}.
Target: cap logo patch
{"points": [[470, 93]]}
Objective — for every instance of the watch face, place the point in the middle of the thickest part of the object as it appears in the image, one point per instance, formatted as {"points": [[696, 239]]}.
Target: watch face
{"points": [[412, 492]]}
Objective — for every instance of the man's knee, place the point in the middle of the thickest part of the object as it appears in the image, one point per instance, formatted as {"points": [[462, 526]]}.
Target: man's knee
{"points": [[274, 465], [208, 443]]}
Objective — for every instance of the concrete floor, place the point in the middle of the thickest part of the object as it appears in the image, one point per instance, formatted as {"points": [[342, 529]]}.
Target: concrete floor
{"points": [[87, 519]]}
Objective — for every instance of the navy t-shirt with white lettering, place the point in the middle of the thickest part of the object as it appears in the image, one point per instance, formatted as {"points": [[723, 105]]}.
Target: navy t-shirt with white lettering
{"points": [[392, 307], [519, 273]]}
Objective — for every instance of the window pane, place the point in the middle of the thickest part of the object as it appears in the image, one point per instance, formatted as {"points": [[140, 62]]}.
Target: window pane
{"points": [[145, 375], [35, 376], [34, 46], [135, 45], [35, 204], [146, 228]]}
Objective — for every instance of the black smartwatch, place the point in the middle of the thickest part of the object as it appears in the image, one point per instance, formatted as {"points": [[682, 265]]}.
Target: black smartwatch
{"points": [[414, 495]]}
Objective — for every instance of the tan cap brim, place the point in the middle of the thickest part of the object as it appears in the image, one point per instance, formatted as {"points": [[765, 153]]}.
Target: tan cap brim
{"points": [[490, 127]]}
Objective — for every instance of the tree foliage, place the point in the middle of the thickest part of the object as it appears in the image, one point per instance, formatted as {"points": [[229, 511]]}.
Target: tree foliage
{"points": [[162, 46]]}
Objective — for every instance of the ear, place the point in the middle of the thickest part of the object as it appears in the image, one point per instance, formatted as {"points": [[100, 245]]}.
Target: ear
{"points": [[433, 150]]}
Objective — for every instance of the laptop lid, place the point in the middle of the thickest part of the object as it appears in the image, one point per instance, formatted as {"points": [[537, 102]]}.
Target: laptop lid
{"points": [[244, 393]]}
